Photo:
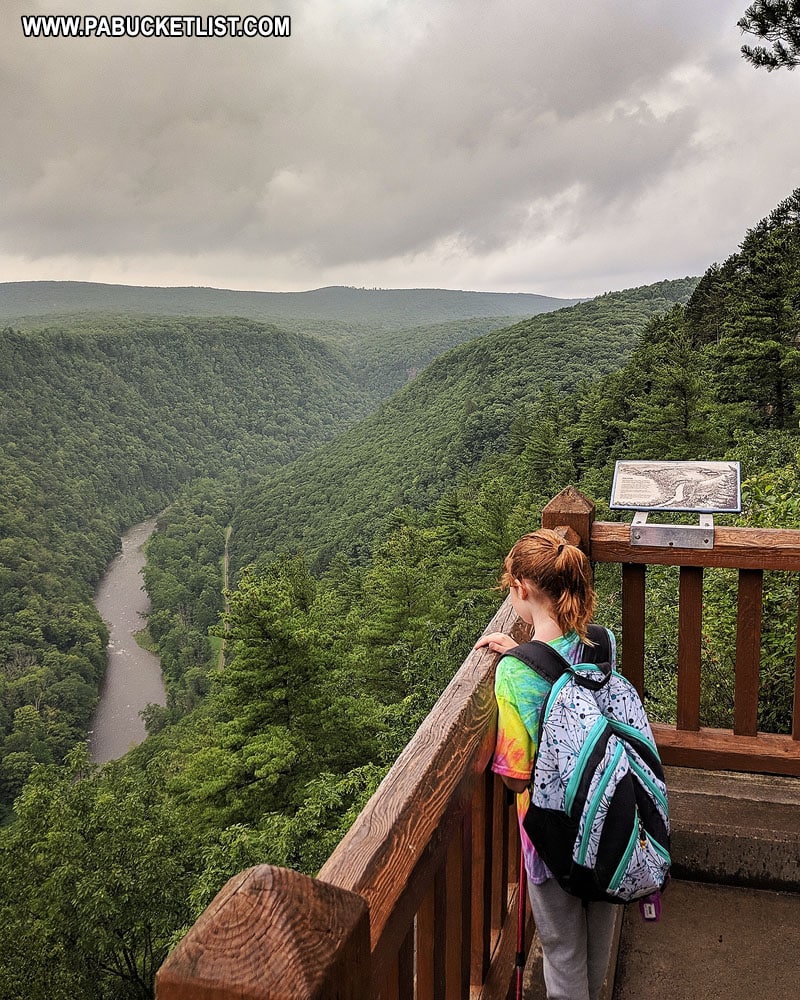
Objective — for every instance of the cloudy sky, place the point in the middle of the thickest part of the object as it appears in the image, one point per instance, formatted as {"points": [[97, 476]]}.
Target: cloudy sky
{"points": [[508, 145]]}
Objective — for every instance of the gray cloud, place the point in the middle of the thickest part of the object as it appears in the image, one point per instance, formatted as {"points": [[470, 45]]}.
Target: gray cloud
{"points": [[474, 143]]}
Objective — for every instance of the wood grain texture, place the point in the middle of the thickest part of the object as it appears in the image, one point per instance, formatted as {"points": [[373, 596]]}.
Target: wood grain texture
{"points": [[735, 548], [481, 881], [719, 749], [426, 924], [748, 652], [273, 934], [398, 843], [574, 512], [796, 702], [690, 618], [633, 622]]}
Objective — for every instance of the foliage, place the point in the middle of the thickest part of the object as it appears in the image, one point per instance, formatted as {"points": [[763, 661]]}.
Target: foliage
{"points": [[95, 875], [388, 335], [776, 22]]}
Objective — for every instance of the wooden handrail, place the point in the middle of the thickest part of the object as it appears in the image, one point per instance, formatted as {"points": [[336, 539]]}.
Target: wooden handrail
{"points": [[735, 548]]}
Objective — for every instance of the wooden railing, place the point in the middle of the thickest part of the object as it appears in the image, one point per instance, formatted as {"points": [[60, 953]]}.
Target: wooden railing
{"points": [[418, 901]]}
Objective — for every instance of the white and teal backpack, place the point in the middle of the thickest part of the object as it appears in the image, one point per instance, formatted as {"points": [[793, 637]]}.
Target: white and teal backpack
{"points": [[598, 816]]}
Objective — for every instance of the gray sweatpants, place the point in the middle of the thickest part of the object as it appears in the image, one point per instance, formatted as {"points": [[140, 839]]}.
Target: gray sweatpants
{"points": [[576, 941]]}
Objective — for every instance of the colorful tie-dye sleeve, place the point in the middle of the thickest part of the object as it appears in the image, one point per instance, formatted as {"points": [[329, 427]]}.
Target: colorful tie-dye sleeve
{"points": [[513, 754], [520, 693]]}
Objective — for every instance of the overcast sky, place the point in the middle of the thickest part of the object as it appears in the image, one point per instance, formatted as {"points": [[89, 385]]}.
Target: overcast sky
{"points": [[507, 145]]}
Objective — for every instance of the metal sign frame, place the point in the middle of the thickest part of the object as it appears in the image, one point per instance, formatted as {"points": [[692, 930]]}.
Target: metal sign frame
{"points": [[702, 488]]}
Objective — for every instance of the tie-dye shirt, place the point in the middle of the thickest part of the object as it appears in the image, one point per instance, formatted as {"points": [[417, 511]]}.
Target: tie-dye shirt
{"points": [[520, 694]]}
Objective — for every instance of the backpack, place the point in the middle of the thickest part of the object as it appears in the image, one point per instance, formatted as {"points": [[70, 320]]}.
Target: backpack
{"points": [[598, 816]]}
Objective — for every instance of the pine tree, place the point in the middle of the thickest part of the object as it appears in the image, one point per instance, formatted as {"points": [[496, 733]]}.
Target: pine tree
{"points": [[777, 22]]}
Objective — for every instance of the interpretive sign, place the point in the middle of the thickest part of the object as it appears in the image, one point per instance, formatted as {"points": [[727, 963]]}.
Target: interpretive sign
{"points": [[690, 487]]}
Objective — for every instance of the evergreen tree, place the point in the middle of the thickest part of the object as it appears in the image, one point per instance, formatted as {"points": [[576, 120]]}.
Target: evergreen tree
{"points": [[757, 359], [778, 23], [670, 408]]}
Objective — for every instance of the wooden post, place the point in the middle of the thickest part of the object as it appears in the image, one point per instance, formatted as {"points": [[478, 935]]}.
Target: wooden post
{"points": [[273, 934], [572, 513]]}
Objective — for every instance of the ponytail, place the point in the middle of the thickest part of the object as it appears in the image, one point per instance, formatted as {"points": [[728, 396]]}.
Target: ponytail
{"points": [[561, 571]]}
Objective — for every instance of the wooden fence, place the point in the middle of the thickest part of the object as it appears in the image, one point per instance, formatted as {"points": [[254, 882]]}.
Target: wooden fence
{"points": [[418, 901]]}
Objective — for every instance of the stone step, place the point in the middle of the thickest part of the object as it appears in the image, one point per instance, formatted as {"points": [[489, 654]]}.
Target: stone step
{"points": [[735, 829]]}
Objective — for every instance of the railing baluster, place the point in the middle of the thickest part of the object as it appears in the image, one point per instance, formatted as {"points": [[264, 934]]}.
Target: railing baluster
{"points": [[391, 986], [633, 605], [481, 880], [499, 855], [513, 849], [453, 917], [465, 895], [405, 967], [690, 617], [440, 933], [425, 938], [748, 652], [796, 703]]}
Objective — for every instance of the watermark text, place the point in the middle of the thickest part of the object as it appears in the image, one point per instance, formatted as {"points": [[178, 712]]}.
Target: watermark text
{"points": [[156, 25]]}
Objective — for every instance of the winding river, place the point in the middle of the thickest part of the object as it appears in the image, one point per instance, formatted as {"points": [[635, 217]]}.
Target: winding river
{"points": [[133, 675]]}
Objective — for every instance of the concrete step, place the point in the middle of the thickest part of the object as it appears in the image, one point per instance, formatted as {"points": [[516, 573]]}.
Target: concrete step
{"points": [[731, 916], [712, 942], [735, 829]]}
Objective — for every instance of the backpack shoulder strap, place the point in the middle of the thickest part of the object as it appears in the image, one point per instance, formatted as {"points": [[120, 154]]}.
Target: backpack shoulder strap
{"points": [[542, 658], [550, 665], [600, 652]]}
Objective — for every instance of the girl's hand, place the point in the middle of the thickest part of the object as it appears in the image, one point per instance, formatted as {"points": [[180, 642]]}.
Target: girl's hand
{"points": [[498, 642]]}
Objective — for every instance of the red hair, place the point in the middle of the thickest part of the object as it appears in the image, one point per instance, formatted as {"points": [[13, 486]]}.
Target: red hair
{"points": [[558, 570]]}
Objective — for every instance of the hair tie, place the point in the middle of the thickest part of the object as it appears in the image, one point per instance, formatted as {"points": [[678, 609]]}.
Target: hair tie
{"points": [[561, 548]]}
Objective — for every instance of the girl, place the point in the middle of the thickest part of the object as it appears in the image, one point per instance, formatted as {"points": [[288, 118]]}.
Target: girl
{"points": [[550, 585]]}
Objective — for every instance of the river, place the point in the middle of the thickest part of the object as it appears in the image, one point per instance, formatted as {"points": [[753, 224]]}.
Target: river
{"points": [[133, 675]]}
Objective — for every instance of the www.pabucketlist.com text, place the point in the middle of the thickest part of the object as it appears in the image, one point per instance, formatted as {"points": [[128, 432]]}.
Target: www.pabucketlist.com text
{"points": [[156, 25]]}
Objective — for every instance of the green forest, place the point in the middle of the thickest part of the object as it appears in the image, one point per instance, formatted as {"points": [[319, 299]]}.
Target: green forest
{"points": [[367, 526]]}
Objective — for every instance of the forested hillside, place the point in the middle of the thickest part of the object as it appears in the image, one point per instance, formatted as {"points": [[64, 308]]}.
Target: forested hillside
{"points": [[99, 431], [329, 668], [457, 412], [388, 335]]}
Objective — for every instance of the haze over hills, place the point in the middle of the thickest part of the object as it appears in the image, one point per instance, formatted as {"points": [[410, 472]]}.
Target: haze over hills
{"points": [[388, 335], [337, 304]]}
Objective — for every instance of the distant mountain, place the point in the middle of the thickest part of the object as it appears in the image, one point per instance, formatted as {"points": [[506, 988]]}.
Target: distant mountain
{"points": [[387, 308], [458, 410]]}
